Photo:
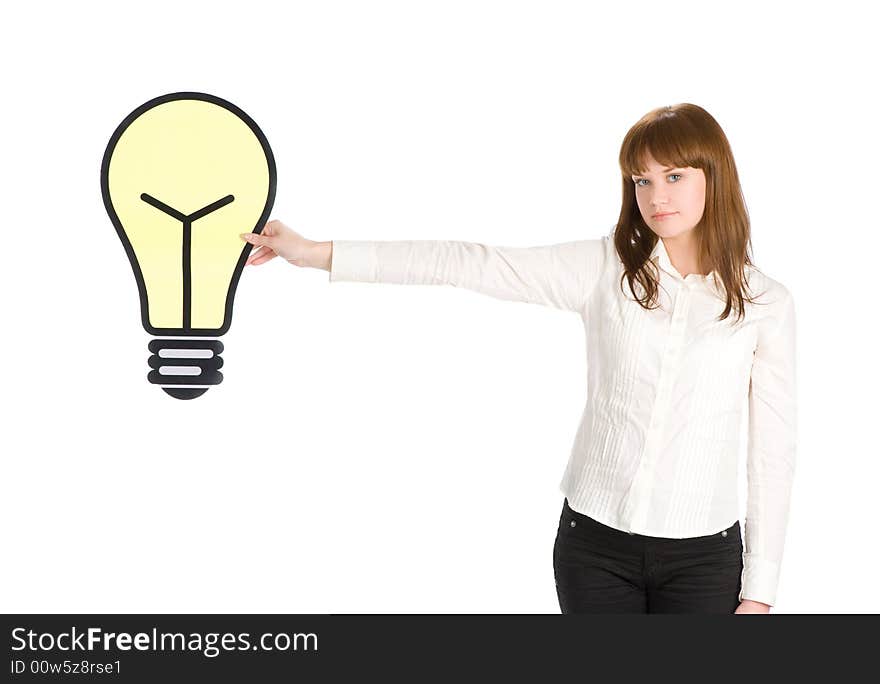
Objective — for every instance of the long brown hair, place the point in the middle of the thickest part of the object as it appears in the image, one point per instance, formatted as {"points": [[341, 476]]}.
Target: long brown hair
{"points": [[686, 135]]}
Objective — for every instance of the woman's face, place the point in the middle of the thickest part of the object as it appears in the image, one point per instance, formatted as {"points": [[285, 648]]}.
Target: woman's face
{"points": [[680, 192]]}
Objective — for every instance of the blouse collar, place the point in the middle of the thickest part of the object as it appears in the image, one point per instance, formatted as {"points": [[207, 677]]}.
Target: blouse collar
{"points": [[661, 257]]}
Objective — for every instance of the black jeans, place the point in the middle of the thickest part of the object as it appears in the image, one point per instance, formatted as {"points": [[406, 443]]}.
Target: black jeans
{"points": [[599, 569]]}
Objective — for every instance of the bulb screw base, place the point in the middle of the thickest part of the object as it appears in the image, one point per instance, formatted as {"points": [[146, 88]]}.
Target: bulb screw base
{"points": [[185, 368]]}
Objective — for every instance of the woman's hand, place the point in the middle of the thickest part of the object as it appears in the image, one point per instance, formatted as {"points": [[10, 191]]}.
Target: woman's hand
{"points": [[753, 607], [277, 239]]}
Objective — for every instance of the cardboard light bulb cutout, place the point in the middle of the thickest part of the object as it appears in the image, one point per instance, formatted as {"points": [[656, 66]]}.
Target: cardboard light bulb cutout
{"points": [[182, 176]]}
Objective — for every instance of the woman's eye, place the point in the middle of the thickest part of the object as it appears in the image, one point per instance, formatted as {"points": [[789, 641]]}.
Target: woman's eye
{"points": [[639, 180]]}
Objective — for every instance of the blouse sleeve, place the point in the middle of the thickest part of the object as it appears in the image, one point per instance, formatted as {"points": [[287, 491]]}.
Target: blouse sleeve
{"points": [[560, 275], [771, 454]]}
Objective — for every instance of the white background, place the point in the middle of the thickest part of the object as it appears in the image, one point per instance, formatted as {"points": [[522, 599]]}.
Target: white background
{"points": [[386, 448]]}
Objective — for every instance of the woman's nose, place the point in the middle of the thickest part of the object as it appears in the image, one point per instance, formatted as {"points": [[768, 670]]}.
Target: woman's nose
{"points": [[659, 201]]}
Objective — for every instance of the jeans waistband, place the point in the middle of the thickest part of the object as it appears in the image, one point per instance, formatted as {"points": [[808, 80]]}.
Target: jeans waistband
{"points": [[622, 539]]}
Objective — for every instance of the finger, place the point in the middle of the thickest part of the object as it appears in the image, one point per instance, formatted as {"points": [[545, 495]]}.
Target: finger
{"points": [[259, 251], [255, 239], [263, 258]]}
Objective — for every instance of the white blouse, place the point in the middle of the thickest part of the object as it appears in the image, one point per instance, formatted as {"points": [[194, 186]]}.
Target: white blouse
{"points": [[657, 447]]}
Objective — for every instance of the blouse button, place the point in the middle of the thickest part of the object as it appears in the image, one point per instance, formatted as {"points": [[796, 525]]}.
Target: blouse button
{"points": [[573, 523], [724, 533]]}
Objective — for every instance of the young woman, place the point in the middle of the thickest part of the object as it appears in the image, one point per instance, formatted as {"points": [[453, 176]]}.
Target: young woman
{"points": [[681, 328]]}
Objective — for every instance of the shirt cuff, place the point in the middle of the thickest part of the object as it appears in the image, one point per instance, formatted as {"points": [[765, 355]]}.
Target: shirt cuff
{"points": [[353, 260], [760, 578]]}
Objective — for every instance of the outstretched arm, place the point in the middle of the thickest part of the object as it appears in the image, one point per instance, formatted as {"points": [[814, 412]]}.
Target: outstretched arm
{"points": [[560, 275]]}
